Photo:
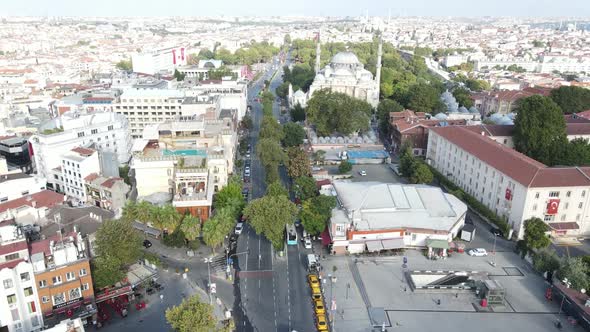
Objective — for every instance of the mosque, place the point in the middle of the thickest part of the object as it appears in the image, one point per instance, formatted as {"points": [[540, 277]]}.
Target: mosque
{"points": [[346, 74]]}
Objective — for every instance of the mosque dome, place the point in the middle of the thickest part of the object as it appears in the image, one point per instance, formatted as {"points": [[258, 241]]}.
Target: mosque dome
{"points": [[345, 58], [472, 109], [440, 116]]}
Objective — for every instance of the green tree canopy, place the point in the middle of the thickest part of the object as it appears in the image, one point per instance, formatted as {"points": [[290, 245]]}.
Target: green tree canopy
{"points": [[117, 245], [269, 215], [294, 134], [332, 112], [576, 153], [125, 65], [192, 315], [316, 212], [546, 260], [217, 227], [270, 128], [571, 99], [539, 129], [534, 234], [385, 107], [276, 189], [297, 113], [305, 187], [424, 98], [231, 196], [178, 75], [576, 272], [270, 152], [463, 97], [191, 227], [297, 163], [344, 167], [422, 174]]}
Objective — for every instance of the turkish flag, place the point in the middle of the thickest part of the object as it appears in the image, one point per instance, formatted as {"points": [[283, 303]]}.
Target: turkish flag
{"points": [[182, 54], [552, 206], [508, 195], [174, 57]]}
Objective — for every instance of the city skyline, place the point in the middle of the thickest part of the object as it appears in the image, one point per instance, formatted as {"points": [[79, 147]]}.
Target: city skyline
{"points": [[522, 8]]}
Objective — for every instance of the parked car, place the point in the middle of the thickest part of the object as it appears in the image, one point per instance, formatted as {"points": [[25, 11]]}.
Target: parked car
{"points": [[248, 155], [497, 232], [477, 252], [147, 243], [245, 192], [307, 243], [318, 306], [313, 281], [362, 172], [239, 228], [322, 323]]}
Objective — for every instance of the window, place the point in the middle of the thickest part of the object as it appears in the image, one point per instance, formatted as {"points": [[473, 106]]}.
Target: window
{"points": [[566, 206], [537, 195], [94, 131], [11, 299], [578, 217], [81, 134], [15, 316], [83, 272], [56, 280], [549, 218], [25, 276], [583, 193], [554, 194], [563, 217], [110, 127], [8, 283], [70, 276], [42, 283], [35, 320], [534, 207], [11, 257], [45, 299], [85, 287], [3, 199], [59, 298], [28, 291], [568, 194], [26, 192], [75, 294]]}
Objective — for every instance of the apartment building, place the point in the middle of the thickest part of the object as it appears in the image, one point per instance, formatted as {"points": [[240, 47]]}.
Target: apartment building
{"points": [[109, 193], [20, 310], [17, 185], [76, 165], [106, 131], [30, 209], [159, 60], [511, 184], [233, 93], [62, 273]]}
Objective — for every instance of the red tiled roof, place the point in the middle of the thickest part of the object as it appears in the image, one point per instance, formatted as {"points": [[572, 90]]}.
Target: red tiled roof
{"points": [[91, 177], [324, 182], [42, 199], [578, 128], [585, 114], [11, 264], [493, 130], [43, 245], [83, 151], [510, 162], [560, 177], [403, 125], [574, 118], [110, 182]]}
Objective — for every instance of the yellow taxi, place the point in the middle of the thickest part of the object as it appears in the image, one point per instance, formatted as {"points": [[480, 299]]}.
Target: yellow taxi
{"points": [[318, 306], [313, 280], [316, 293], [322, 323]]}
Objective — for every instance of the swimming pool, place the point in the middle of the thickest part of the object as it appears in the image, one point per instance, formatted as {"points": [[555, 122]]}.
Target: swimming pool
{"points": [[188, 152]]}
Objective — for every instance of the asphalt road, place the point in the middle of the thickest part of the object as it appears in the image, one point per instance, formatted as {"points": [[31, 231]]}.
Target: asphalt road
{"points": [[271, 291]]}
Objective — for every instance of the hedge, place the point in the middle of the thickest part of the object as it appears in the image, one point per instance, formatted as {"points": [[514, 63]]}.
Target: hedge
{"points": [[471, 201]]}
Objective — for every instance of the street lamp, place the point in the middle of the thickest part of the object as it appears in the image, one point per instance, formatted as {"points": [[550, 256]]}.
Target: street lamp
{"points": [[567, 284], [494, 250], [209, 261]]}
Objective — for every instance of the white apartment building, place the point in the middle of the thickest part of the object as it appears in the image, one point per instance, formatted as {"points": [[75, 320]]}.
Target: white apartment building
{"points": [[511, 184], [17, 185], [233, 94], [160, 60], [107, 131], [19, 303], [76, 165]]}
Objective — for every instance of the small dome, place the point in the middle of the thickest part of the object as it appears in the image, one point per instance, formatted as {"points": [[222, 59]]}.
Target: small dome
{"points": [[495, 117], [345, 58], [320, 77], [462, 109], [440, 116], [473, 110]]}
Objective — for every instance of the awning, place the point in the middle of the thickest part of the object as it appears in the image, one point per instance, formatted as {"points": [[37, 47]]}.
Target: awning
{"points": [[564, 226], [374, 245], [437, 244], [326, 240], [393, 243]]}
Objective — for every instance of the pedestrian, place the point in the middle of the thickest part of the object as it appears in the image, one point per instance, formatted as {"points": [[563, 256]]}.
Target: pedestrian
{"points": [[405, 289], [161, 297]]}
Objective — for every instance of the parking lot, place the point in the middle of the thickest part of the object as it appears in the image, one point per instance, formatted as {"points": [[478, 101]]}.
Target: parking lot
{"points": [[375, 172]]}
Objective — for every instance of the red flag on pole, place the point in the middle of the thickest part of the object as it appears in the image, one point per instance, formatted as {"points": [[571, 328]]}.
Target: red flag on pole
{"points": [[553, 206]]}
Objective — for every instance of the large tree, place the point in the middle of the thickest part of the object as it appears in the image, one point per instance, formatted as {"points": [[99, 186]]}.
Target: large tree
{"points": [[571, 99], [424, 98], [576, 153], [217, 227], [534, 234], [276, 189], [385, 107], [294, 134], [269, 215], [270, 152], [421, 174], [192, 315], [539, 129], [191, 227], [270, 128], [463, 97], [305, 187], [315, 213], [335, 112], [117, 245], [576, 272], [297, 163], [297, 113], [231, 196]]}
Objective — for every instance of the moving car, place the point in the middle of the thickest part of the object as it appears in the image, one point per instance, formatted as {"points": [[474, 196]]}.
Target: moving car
{"points": [[147, 243], [497, 231], [318, 306], [239, 228], [362, 172], [322, 323], [478, 252], [307, 243]]}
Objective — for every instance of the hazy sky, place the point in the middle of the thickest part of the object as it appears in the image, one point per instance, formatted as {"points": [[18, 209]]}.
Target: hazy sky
{"points": [[578, 8]]}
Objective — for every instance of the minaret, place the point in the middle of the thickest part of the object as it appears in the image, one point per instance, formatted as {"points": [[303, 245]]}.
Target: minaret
{"points": [[378, 67], [317, 54]]}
